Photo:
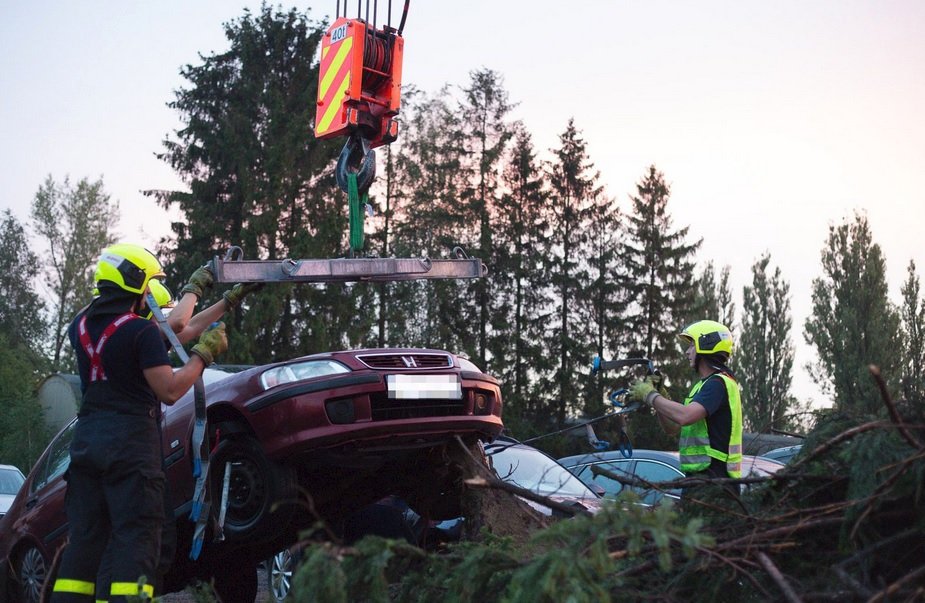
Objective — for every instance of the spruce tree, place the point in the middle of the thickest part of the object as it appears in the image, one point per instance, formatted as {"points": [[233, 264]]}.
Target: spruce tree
{"points": [[573, 187], [659, 277], [712, 297], [485, 136], [22, 309], [517, 342], [764, 350], [258, 178], [853, 324], [913, 322]]}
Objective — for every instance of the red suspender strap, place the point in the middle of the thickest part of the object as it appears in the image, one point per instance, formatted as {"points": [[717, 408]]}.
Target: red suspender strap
{"points": [[93, 352]]}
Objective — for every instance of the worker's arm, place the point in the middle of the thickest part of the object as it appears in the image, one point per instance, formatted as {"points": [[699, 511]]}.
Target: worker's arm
{"points": [[680, 414], [201, 321], [179, 317], [170, 385], [668, 426]]}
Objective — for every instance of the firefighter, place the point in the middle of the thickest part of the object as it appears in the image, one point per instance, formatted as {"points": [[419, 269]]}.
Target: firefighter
{"points": [[709, 421], [115, 481]]}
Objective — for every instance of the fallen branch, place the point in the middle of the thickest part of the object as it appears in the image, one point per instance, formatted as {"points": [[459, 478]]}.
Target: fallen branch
{"points": [[497, 484], [894, 414], [778, 578]]}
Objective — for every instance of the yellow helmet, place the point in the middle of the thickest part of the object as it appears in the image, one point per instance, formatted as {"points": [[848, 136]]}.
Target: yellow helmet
{"points": [[128, 267], [708, 337]]}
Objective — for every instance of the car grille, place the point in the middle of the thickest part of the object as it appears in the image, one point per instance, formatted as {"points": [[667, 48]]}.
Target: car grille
{"points": [[406, 361], [384, 409]]}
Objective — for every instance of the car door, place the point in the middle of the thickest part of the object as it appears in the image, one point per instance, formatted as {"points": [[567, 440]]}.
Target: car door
{"points": [[656, 472], [44, 514], [612, 488]]}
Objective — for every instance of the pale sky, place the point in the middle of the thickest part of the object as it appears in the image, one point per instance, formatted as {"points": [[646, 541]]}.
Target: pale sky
{"points": [[771, 120]]}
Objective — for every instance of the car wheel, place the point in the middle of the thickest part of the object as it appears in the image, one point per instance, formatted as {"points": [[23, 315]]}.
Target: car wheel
{"points": [[235, 582], [255, 485], [31, 573], [279, 575]]}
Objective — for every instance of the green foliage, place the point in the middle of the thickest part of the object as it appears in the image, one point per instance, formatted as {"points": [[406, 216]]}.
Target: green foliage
{"points": [[764, 350], [75, 224], [852, 324], [23, 435]]}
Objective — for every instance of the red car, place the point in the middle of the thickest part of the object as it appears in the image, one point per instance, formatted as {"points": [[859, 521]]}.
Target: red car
{"points": [[314, 438]]}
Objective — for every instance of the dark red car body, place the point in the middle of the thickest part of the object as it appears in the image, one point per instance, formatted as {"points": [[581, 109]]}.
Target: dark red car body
{"points": [[300, 444]]}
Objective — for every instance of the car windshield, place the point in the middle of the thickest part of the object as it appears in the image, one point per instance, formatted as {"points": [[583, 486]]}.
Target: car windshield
{"points": [[10, 481], [533, 470]]}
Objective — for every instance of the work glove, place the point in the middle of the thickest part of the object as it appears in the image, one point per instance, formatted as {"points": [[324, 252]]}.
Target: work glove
{"points": [[199, 282], [644, 391], [212, 342], [657, 382], [234, 297]]}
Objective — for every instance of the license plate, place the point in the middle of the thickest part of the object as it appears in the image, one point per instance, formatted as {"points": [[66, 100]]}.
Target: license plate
{"points": [[420, 387]]}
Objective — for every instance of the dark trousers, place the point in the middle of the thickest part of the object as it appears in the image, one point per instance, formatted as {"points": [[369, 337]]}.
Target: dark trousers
{"points": [[115, 505]]}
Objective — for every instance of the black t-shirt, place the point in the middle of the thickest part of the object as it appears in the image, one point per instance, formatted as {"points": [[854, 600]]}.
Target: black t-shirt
{"points": [[715, 399], [135, 346]]}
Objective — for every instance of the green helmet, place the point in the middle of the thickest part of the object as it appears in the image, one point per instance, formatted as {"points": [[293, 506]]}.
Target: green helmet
{"points": [[162, 295], [127, 266], [708, 337]]}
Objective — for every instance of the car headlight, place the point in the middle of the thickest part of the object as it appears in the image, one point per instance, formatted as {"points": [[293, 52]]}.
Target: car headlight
{"points": [[468, 365], [299, 371]]}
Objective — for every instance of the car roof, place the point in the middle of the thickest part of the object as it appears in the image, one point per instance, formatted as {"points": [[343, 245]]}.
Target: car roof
{"points": [[669, 457], [11, 467]]}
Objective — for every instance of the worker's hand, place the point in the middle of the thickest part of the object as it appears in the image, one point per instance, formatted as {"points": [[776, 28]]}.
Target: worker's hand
{"points": [[658, 382], [644, 391], [234, 297], [212, 342], [199, 282]]}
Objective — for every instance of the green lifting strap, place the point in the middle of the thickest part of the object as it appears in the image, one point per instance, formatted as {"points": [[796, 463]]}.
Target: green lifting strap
{"points": [[356, 212]]}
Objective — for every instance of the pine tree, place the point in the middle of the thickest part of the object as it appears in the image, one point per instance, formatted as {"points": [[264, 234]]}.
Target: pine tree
{"points": [[75, 223], [913, 321], [659, 278], [764, 350], [573, 186], [853, 324]]}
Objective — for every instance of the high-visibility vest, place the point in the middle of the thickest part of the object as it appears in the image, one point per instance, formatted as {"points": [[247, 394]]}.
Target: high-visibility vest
{"points": [[695, 448]]}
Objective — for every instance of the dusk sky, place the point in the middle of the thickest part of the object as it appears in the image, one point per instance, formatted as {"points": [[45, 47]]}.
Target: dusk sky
{"points": [[770, 120]]}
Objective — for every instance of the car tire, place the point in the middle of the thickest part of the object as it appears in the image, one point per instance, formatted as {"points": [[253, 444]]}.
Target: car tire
{"points": [[256, 485], [235, 582], [32, 570], [279, 575]]}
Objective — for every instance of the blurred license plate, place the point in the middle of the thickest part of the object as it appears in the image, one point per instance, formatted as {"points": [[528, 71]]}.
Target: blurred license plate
{"points": [[419, 387]]}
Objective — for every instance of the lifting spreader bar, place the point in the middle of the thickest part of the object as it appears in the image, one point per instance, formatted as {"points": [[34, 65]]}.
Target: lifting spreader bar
{"points": [[231, 269]]}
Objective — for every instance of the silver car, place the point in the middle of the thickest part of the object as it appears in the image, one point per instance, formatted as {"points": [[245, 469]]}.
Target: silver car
{"points": [[11, 478]]}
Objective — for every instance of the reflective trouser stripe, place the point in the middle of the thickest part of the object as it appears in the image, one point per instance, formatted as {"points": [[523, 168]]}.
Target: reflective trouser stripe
{"points": [[735, 449], [77, 587], [130, 588]]}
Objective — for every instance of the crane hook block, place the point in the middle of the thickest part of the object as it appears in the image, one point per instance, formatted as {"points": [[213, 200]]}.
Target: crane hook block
{"points": [[359, 82]]}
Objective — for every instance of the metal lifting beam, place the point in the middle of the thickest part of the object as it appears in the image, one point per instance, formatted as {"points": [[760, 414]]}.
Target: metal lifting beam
{"points": [[230, 270]]}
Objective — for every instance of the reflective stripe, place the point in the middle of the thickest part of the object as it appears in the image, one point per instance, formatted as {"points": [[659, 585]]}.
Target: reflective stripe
{"points": [[735, 449], [78, 587], [93, 352], [130, 588], [694, 441], [696, 459]]}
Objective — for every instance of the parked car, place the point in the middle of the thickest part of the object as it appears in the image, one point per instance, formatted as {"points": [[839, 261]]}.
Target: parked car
{"points": [[318, 437], [653, 466], [11, 478], [513, 462], [783, 455]]}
